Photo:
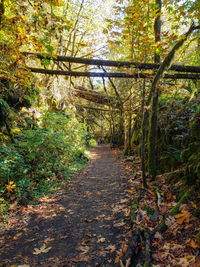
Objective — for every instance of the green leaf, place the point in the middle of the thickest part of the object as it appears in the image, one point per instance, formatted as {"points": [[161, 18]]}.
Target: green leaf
{"points": [[49, 48]]}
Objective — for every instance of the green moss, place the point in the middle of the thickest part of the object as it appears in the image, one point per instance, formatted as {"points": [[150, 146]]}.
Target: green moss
{"points": [[198, 238], [135, 139], [186, 195], [162, 227], [149, 210], [196, 213], [4, 110], [195, 128], [134, 207]]}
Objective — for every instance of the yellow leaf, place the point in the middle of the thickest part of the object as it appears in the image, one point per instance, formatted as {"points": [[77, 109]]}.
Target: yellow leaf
{"points": [[23, 18], [43, 249], [17, 236], [10, 186], [184, 216], [20, 29], [58, 3], [192, 244]]}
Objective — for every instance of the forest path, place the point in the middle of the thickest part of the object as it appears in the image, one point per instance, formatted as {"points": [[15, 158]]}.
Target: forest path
{"points": [[84, 224]]}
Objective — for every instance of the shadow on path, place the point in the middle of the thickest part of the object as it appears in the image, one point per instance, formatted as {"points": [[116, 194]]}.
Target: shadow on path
{"points": [[84, 224]]}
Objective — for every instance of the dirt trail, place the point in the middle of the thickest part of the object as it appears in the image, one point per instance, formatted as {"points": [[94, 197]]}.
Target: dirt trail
{"points": [[84, 224]]}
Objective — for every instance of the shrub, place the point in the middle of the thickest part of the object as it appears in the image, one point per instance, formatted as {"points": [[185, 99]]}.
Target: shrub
{"points": [[92, 143]]}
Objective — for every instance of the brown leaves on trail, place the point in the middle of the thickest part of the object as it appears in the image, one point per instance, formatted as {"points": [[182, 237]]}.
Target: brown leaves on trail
{"points": [[121, 252], [111, 248], [84, 248], [119, 224], [81, 258], [42, 249]]}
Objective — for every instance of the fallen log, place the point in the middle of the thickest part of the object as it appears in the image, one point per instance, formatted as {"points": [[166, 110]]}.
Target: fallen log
{"points": [[113, 74], [112, 63], [131, 253], [147, 250]]}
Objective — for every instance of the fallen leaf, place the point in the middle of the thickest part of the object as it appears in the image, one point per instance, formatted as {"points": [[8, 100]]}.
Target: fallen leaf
{"points": [[158, 236], [84, 243], [48, 240], [88, 220], [165, 250], [108, 218], [117, 259], [17, 236], [43, 249], [89, 234], [112, 248], [101, 240], [84, 248], [118, 208], [184, 216], [119, 224], [192, 244], [169, 196]]}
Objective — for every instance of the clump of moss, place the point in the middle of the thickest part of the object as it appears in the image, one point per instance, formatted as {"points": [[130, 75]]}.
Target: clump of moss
{"points": [[134, 207], [185, 196], [195, 127], [150, 211], [196, 213]]}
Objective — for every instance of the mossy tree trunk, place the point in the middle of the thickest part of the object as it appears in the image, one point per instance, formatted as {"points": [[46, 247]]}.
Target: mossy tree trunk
{"points": [[127, 147], [143, 137], [2, 10], [153, 123], [154, 107]]}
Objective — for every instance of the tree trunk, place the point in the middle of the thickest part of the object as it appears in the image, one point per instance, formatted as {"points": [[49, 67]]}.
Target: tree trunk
{"points": [[154, 92], [143, 137], [152, 137]]}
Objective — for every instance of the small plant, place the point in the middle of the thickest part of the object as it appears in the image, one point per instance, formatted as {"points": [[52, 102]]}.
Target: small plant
{"points": [[4, 207]]}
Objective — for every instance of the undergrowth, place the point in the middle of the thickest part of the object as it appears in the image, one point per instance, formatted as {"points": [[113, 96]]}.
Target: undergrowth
{"points": [[41, 159]]}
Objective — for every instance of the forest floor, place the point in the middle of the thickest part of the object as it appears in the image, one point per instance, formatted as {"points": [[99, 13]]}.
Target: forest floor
{"points": [[87, 223]]}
